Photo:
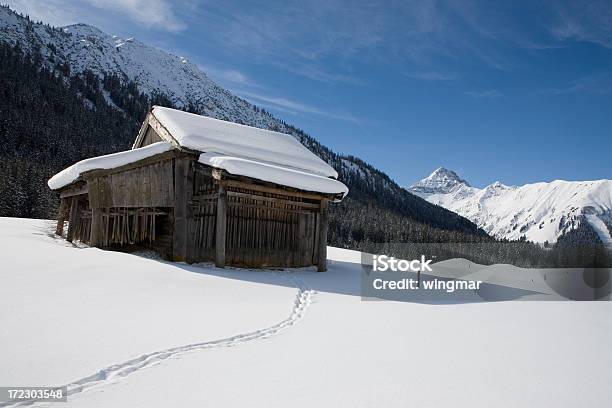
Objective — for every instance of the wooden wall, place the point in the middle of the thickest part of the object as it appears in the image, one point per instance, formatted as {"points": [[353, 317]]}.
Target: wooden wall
{"points": [[202, 224], [270, 230], [133, 206], [150, 185], [150, 137], [262, 229], [177, 207]]}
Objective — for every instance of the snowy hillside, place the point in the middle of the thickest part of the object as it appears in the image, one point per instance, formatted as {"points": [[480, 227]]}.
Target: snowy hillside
{"points": [[83, 47], [125, 331], [540, 212], [86, 48]]}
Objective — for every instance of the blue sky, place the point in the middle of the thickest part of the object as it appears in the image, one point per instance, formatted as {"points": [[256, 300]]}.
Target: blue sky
{"points": [[513, 91]]}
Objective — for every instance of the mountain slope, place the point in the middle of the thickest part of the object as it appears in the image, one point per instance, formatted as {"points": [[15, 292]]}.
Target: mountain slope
{"points": [[539, 212], [114, 81]]}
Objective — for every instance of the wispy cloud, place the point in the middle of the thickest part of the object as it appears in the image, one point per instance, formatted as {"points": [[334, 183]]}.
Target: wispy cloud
{"points": [[303, 36], [322, 40], [319, 74], [294, 107], [48, 11], [431, 76], [153, 13], [486, 94], [590, 84], [587, 21], [229, 76], [157, 14]]}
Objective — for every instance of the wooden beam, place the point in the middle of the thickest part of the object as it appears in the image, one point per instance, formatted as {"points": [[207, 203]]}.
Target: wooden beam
{"points": [[161, 130], [96, 232], [273, 200], [183, 192], [61, 217], [221, 228], [273, 190], [74, 190], [142, 132], [74, 217], [322, 241], [188, 182]]}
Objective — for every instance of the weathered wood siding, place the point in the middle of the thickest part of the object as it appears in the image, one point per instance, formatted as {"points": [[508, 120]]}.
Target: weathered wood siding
{"points": [[269, 230], [261, 228], [147, 186], [187, 212], [203, 223], [150, 137], [79, 218], [133, 205]]}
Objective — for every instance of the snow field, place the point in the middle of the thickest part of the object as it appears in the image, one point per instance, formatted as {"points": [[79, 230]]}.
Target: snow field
{"points": [[164, 333]]}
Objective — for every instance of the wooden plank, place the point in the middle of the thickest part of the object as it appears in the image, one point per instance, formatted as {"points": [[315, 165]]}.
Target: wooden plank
{"points": [[61, 216], [117, 189], [312, 241], [323, 220], [161, 130], [104, 192], [307, 254], [156, 189], [167, 185], [142, 132], [303, 239], [74, 190], [74, 217], [96, 232], [182, 198], [150, 137], [273, 190], [221, 228], [189, 211], [283, 210], [161, 176], [132, 188], [206, 197], [273, 200], [97, 225], [145, 187]]}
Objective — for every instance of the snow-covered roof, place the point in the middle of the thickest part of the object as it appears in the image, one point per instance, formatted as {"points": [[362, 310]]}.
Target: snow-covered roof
{"points": [[208, 135], [238, 149], [109, 161], [275, 174]]}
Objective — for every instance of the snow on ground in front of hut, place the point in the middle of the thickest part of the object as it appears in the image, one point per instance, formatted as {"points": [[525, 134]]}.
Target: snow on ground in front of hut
{"points": [[135, 331]]}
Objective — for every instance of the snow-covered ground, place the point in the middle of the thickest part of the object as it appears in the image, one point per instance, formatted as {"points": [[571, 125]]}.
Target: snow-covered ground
{"points": [[143, 332]]}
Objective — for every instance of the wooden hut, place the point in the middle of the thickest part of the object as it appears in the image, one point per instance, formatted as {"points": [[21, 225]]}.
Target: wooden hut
{"points": [[198, 189]]}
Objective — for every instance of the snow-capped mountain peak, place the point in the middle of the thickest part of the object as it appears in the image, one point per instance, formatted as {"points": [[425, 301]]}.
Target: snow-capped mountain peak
{"points": [[441, 181], [539, 212]]}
